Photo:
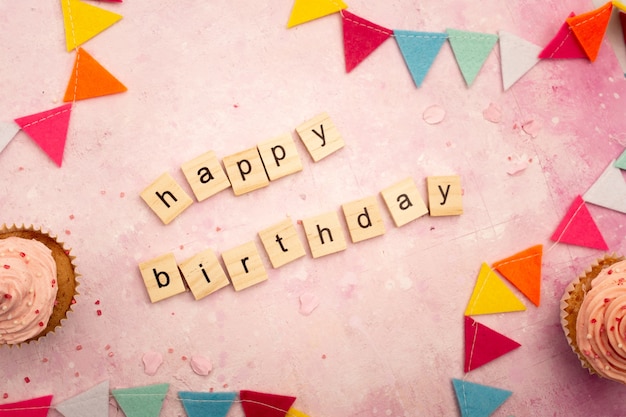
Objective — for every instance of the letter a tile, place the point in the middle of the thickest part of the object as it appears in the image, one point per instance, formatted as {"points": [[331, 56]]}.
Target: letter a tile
{"points": [[205, 175], [404, 202], [161, 277]]}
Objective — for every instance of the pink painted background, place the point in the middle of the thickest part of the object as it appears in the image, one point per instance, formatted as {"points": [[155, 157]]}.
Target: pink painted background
{"points": [[387, 336]]}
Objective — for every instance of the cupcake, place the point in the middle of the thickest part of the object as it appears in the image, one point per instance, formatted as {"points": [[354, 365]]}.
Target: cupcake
{"points": [[37, 284], [592, 309]]}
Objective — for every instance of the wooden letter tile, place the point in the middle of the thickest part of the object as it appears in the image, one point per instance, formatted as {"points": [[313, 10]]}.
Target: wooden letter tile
{"points": [[205, 175], [282, 243], [445, 195], [404, 202], [245, 266], [324, 234], [320, 136], [280, 156], [204, 274], [161, 277], [246, 171], [166, 198], [364, 219]]}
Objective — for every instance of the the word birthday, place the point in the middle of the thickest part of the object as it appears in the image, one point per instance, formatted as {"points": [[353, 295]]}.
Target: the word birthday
{"points": [[254, 168]]}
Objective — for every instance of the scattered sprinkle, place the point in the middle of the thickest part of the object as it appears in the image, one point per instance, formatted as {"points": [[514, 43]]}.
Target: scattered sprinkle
{"points": [[76, 374], [7, 266], [324, 356], [97, 302], [40, 324], [170, 350], [79, 347], [71, 217], [122, 194], [27, 380], [5, 395], [99, 312]]}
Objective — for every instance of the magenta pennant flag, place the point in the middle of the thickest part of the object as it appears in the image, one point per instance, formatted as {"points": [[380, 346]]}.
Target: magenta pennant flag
{"points": [[579, 228], [360, 38], [564, 45], [35, 407], [259, 404], [483, 344], [49, 130]]}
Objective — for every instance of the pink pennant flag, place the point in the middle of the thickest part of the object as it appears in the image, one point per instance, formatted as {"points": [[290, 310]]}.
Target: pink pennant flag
{"points": [[259, 404], [483, 344], [360, 38], [49, 130], [579, 228], [563, 45], [35, 407]]}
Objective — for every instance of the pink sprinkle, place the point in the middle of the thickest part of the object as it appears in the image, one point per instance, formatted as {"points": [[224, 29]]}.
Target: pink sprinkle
{"points": [[76, 374], [97, 302], [593, 321], [99, 312], [324, 356], [22, 254], [170, 350], [225, 385], [73, 301], [181, 247], [71, 217], [218, 229], [122, 194], [610, 271], [184, 358], [8, 296], [102, 192], [54, 281], [36, 311], [41, 324], [79, 347], [27, 379], [110, 354], [612, 328], [7, 266], [45, 360], [606, 300], [5, 395], [68, 232]]}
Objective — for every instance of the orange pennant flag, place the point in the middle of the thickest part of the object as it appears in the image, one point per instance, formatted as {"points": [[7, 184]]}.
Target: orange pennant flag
{"points": [[524, 271], [90, 79], [589, 29]]}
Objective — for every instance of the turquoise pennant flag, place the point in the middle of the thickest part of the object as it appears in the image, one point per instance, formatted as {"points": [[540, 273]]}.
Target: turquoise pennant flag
{"points": [[419, 50]]}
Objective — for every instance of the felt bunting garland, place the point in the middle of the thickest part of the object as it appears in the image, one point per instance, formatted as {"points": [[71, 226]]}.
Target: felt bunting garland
{"points": [[564, 45], [622, 21], [471, 50], [360, 38], [7, 132], [207, 404], [419, 50], [590, 27], [83, 21], [483, 344], [49, 130], [306, 10], [579, 228], [621, 161], [609, 190], [476, 400], [90, 79]]}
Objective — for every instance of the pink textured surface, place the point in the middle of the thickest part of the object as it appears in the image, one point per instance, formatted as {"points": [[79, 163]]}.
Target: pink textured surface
{"points": [[387, 336]]}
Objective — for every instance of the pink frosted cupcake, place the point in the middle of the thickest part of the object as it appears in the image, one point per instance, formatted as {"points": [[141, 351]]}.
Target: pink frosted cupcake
{"points": [[592, 311], [37, 284]]}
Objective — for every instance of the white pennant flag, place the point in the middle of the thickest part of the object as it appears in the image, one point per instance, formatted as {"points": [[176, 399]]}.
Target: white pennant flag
{"points": [[517, 57], [93, 402], [609, 190]]}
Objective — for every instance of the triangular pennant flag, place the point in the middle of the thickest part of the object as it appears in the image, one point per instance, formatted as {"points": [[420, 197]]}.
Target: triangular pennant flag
{"points": [[7, 133], [90, 79], [419, 50], [609, 190], [306, 10], [83, 21], [34, 407], [621, 161], [360, 38], [483, 344], [49, 130], [293, 412], [524, 271], [563, 45], [579, 228], [258, 404], [491, 295], [145, 401], [476, 400], [471, 50], [590, 27], [517, 57], [93, 402], [112, 1], [207, 404], [619, 5]]}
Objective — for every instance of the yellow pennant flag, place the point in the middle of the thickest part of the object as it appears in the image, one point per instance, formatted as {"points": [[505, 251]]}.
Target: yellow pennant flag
{"points": [[491, 295], [306, 10], [295, 413], [83, 21]]}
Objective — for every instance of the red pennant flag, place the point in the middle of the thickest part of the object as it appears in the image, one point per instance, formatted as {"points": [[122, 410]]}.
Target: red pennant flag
{"points": [[360, 38], [90, 79], [622, 20], [258, 404], [590, 27], [35, 407], [49, 130], [579, 228], [482, 344], [524, 271], [563, 45]]}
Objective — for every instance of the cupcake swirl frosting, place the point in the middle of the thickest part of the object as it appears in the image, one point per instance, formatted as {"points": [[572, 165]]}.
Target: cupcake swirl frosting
{"points": [[601, 323], [27, 288]]}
